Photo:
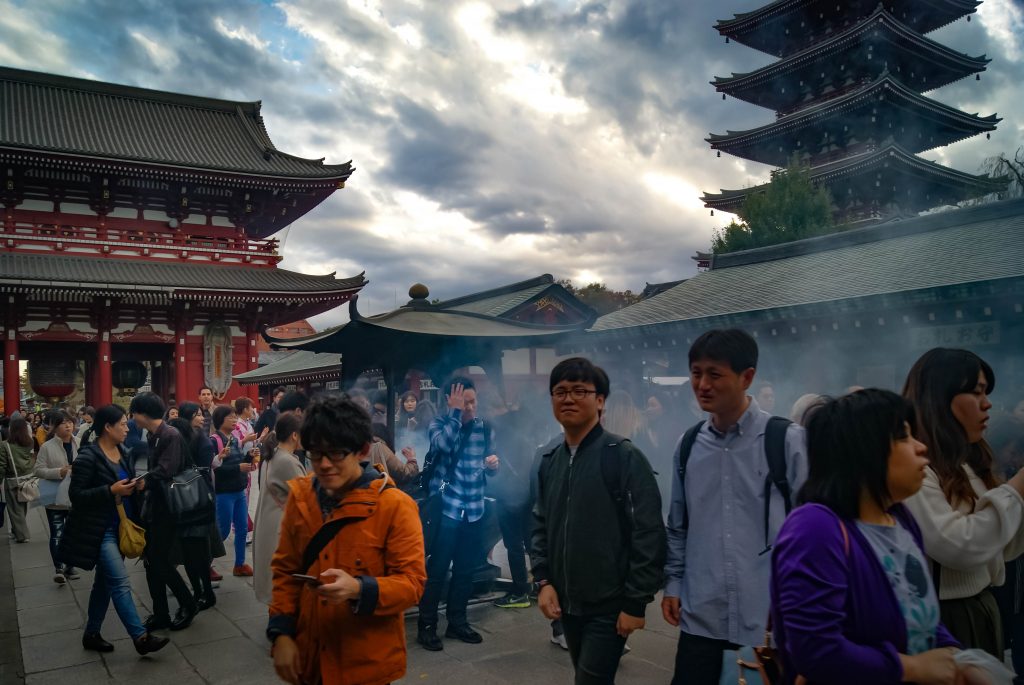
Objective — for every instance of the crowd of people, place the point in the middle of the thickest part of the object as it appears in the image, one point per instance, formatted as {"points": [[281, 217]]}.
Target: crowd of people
{"points": [[868, 533]]}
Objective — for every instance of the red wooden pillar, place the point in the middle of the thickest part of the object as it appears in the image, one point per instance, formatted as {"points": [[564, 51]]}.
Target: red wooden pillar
{"points": [[180, 365], [104, 377], [12, 386]]}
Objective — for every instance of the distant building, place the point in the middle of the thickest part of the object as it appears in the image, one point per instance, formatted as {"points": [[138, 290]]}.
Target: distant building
{"points": [[136, 228]]}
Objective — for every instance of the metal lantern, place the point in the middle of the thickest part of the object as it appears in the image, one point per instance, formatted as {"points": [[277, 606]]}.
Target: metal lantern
{"points": [[52, 378], [128, 376]]}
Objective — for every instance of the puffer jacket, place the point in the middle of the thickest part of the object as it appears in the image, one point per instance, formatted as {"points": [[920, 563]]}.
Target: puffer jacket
{"points": [[362, 641], [93, 508]]}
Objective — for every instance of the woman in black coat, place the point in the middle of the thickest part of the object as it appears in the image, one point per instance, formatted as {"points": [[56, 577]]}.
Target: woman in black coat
{"points": [[102, 477]]}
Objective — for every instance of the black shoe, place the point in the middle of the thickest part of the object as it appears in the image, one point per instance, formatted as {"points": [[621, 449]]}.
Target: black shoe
{"points": [[429, 639], [94, 642], [149, 643], [206, 602], [155, 622], [464, 633], [183, 619]]}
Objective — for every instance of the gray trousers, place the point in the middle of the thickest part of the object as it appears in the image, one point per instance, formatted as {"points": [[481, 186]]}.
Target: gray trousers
{"points": [[16, 511]]}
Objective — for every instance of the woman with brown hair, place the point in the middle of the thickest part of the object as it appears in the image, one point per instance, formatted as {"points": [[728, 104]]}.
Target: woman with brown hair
{"points": [[971, 523], [17, 463]]}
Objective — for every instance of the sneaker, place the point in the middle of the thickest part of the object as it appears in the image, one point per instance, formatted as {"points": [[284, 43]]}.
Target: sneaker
{"points": [[214, 576], [243, 571], [248, 538], [59, 578], [511, 601], [560, 641]]}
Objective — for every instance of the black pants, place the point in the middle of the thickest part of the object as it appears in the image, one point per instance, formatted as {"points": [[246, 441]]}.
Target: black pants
{"points": [[515, 522], [160, 573], [195, 554], [56, 518], [699, 660], [594, 646], [458, 544]]}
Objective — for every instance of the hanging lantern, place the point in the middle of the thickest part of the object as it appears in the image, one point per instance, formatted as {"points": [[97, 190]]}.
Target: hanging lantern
{"points": [[977, 77], [128, 376], [52, 378], [719, 154]]}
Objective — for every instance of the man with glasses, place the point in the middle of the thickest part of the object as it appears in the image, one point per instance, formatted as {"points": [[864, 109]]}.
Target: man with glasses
{"points": [[598, 539], [462, 448]]}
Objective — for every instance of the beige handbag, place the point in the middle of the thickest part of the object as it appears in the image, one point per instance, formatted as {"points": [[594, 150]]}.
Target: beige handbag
{"points": [[26, 487]]}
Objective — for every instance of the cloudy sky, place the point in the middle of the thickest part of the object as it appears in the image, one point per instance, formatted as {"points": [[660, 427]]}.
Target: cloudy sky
{"points": [[494, 141]]}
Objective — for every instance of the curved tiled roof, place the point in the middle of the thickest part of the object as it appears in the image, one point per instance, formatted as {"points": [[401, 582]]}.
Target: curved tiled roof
{"points": [[881, 27], [776, 27], [952, 248], [100, 273], [60, 114], [960, 125], [729, 200]]}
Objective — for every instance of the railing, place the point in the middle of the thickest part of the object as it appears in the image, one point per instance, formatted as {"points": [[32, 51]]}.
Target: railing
{"points": [[188, 242]]}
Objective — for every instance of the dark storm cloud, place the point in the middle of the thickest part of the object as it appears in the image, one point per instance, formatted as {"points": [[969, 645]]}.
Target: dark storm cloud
{"points": [[432, 156]]}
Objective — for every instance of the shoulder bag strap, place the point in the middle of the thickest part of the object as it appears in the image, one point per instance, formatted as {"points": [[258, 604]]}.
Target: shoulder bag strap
{"points": [[10, 455], [775, 453], [685, 447], [323, 537]]}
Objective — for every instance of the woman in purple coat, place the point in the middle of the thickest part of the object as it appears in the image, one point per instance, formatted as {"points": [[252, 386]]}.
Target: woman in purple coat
{"points": [[852, 598]]}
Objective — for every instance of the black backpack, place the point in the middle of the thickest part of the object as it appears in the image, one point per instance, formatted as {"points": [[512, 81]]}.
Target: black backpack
{"points": [[775, 453]]}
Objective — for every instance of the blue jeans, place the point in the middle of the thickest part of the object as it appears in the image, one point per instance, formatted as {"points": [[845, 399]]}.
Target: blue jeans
{"points": [[111, 583], [56, 518], [458, 544], [232, 508]]}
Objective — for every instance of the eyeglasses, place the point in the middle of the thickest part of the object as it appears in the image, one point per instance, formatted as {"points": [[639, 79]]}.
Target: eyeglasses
{"points": [[336, 457], [575, 393]]}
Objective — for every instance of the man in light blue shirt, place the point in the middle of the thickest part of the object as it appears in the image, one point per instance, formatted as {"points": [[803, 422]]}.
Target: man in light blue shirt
{"points": [[718, 563]]}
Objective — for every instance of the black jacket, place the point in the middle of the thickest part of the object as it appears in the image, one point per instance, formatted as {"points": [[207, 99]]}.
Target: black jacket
{"points": [[92, 505], [600, 556], [228, 477]]}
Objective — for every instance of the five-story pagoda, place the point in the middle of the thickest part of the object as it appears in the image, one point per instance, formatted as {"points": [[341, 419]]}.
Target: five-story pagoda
{"points": [[847, 96]]}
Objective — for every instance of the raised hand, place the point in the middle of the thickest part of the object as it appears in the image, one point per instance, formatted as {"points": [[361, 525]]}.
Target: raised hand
{"points": [[457, 397]]}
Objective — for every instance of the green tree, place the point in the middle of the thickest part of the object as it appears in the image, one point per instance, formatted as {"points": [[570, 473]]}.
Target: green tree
{"points": [[600, 297], [790, 207]]}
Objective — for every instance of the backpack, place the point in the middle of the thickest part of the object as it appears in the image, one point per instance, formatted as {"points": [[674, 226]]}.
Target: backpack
{"points": [[775, 453]]}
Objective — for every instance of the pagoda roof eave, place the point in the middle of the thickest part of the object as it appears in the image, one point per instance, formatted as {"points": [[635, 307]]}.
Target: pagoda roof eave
{"points": [[61, 114], [731, 140], [862, 163], [743, 27], [955, 61]]}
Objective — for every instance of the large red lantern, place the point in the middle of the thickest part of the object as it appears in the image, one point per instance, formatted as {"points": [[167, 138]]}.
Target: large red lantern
{"points": [[52, 378]]}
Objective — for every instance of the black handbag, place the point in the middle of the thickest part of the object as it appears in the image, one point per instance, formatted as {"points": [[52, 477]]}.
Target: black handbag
{"points": [[190, 500]]}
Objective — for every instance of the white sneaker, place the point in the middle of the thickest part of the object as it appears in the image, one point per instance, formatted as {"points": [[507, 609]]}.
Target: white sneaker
{"points": [[59, 578], [560, 641]]}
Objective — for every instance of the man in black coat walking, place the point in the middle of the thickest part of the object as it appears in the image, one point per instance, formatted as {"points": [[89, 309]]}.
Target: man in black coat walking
{"points": [[166, 460]]}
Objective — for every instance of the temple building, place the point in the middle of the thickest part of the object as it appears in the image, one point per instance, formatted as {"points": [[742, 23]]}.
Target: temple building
{"points": [[137, 228], [847, 93]]}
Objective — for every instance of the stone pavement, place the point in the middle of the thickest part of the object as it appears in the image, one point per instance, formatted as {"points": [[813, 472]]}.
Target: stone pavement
{"points": [[226, 644]]}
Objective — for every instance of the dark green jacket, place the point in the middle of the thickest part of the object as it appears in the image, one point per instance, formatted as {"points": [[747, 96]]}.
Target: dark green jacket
{"points": [[601, 557]]}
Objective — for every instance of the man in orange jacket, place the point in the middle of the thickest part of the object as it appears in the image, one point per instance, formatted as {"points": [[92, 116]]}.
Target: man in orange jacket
{"points": [[359, 542]]}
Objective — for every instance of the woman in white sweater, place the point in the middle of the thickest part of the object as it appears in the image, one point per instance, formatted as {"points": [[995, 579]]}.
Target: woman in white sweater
{"points": [[54, 463], [275, 472], [971, 523]]}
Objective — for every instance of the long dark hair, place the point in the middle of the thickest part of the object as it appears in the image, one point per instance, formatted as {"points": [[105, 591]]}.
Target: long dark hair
{"points": [[849, 440], [19, 432], [935, 379]]}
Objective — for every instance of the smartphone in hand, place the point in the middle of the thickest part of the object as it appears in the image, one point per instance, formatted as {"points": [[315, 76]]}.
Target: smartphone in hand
{"points": [[312, 580]]}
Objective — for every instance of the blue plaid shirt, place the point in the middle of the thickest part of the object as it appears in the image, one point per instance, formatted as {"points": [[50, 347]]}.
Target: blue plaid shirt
{"points": [[467, 447]]}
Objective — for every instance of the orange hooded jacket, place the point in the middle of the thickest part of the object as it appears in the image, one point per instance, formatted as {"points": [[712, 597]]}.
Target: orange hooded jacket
{"points": [[355, 642]]}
